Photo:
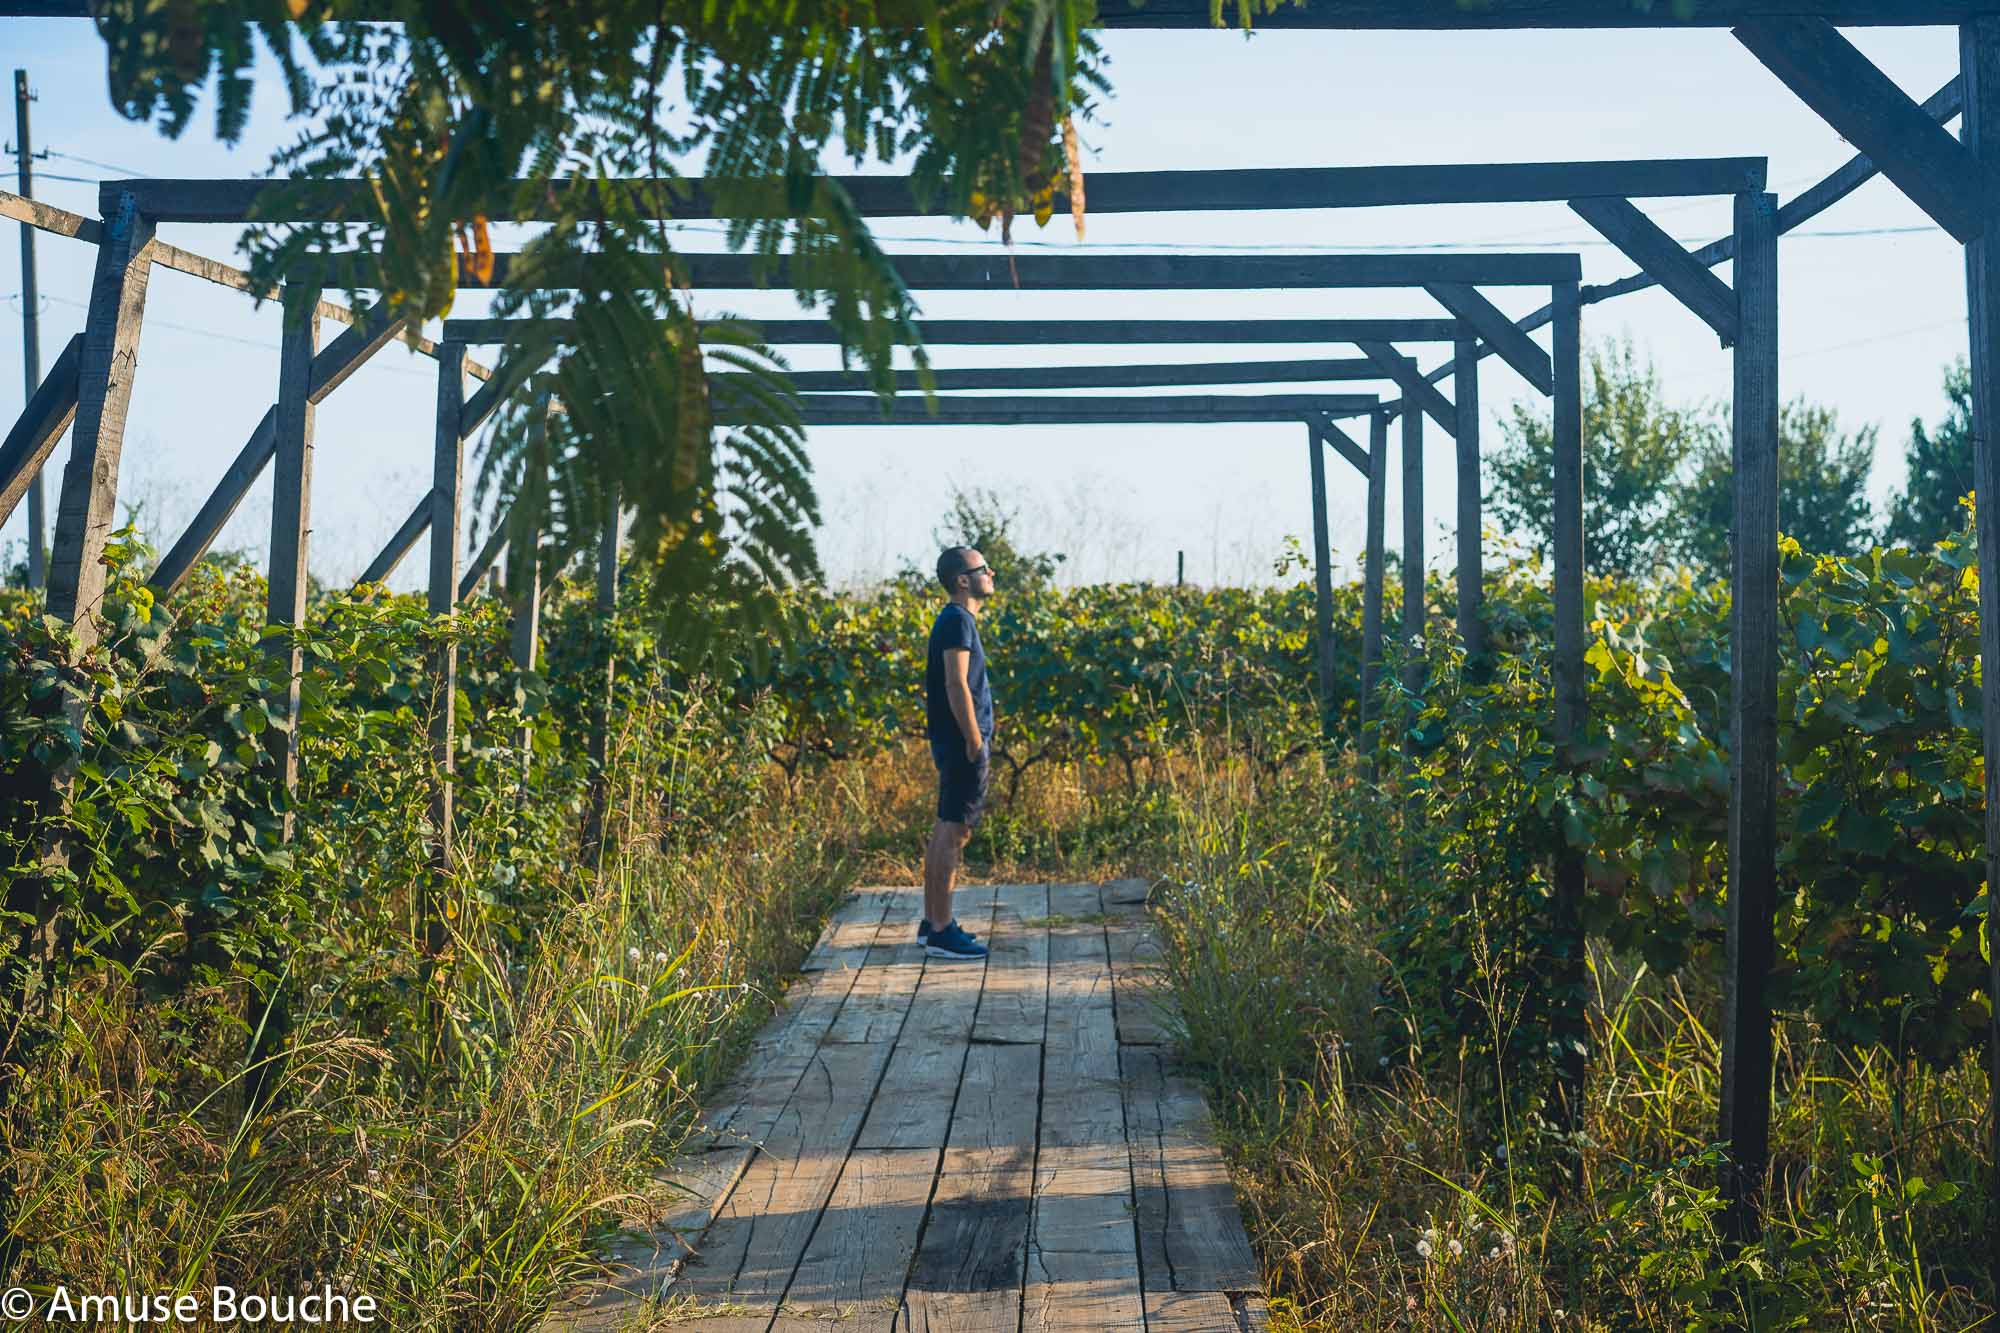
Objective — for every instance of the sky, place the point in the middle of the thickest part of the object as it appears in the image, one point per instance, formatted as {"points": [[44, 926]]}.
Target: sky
{"points": [[1871, 295]]}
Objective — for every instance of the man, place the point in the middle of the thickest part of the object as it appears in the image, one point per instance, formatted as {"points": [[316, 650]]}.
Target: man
{"points": [[958, 708]]}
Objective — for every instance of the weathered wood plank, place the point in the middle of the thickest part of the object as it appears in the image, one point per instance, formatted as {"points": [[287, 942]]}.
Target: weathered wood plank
{"points": [[967, 1277], [1035, 332], [1414, 666], [1846, 90], [1190, 1312], [1572, 705], [1191, 1234], [1144, 1004], [913, 1107], [1644, 243], [855, 1266], [1090, 377], [1496, 14], [995, 410], [33, 436], [1322, 577], [107, 362], [1083, 1264], [1124, 272], [1014, 1005], [1749, 950], [447, 510], [881, 997]]}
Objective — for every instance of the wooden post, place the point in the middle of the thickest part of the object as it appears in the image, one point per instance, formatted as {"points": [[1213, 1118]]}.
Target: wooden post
{"points": [[1570, 1026], [1322, 581], [1413, 550], [596, 832], [1465, 393], [85, 510], [1371, 585], [1753, 753], [1979, 60], [446, 504], [291, 508]]}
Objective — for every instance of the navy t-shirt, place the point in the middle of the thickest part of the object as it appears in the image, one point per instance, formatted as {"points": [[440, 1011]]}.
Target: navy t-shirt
{"points": [[956, 628]]}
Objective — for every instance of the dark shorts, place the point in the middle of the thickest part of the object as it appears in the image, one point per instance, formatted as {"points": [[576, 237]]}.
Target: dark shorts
{"points": [[961, 782]]}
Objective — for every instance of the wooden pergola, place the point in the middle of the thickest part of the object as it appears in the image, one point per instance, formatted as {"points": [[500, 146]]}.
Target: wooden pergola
{"points": [[1955, 180]]}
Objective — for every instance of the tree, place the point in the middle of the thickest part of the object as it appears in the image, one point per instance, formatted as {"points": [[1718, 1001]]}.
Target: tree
{"points": [[985, 520], [1937, 466], [1634, 444], [1822, 490], [455, 113]]}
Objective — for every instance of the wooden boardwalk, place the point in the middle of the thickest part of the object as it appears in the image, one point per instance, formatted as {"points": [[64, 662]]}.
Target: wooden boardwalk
{"points": [[928, 1146]]}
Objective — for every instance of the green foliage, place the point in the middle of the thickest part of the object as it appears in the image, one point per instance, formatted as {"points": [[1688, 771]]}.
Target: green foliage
{"points": [[1822, 490], [1937, 466], [1634, 445]]}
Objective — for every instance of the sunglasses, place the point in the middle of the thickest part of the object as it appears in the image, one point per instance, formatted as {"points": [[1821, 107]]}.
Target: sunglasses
{"points": [[978, 569]]}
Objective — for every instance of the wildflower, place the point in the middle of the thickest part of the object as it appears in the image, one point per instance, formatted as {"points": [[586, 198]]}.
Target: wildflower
{"points": [[1424, 1249], [1382, 1061], [662, 957], [374, 1173], [1457, 1249], [1500, 1153], [633, 954], [1493, 1253], [1559, 1312]]}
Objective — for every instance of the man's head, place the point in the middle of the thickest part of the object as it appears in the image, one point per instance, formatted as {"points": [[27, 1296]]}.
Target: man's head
{"points": [[963, 572]]}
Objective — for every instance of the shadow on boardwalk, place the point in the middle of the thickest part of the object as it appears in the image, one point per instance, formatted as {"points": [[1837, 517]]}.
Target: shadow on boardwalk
{"points": [[932, 1146]]}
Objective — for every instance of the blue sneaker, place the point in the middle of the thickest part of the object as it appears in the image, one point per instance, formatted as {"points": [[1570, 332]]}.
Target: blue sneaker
{"points": [[951, 942], [924, 929]]}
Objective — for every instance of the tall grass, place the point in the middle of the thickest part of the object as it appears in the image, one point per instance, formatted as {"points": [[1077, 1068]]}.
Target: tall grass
{"points": [[1388, 1187]]}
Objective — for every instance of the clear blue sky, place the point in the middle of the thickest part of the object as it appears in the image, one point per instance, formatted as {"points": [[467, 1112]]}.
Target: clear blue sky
{"points": [[1867, 322]]}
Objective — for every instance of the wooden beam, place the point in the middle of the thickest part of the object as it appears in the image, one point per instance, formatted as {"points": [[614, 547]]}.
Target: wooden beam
{"points": [[1640, 238], [291, 519], [1322, 578], [33, 436], [1371, 576], [107, 362], [1753, 753], [391, 555], [1330, 434], [1413, 558], [447, 504], [1222, 190], [1449, 15], [1809, 203], [1471, 577], [1096, 377], [1866, 107], [596, 830], [489, 552], [331, 367], [1411, 380], [1571, 1027], [976, 272], [1979, 58], [1457, 15], [855, 410], [1484, 318], [1030, 333]]}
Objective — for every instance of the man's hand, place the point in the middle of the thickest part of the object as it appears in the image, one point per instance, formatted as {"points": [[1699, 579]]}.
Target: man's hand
{"points": [[972, 749]]}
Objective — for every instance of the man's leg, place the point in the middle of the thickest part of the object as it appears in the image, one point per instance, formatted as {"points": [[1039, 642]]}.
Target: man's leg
{"points": [[941, 870]]}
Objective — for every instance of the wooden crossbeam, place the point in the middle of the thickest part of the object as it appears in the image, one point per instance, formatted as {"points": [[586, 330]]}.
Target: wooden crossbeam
{"points": [[331, 367], [33, 436], [1331, 435], [1504, 336], [1849, 93], [1417, 14], [1093, 377], [1235, 190], [1029, 332], [855, 410], [1124, 272], [489, 551], [415, 526], [1411, 380], [1642, 241]]}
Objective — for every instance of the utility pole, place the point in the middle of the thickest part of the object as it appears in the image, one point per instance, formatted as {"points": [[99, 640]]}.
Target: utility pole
{"points": [[31, 319]]}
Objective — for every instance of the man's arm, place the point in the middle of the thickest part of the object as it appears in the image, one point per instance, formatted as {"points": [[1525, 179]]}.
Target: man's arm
{"points": [[958, 689]]}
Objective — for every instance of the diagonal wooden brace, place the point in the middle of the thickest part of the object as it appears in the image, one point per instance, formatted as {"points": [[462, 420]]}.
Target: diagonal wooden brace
{"points": [[1664, 259]]}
